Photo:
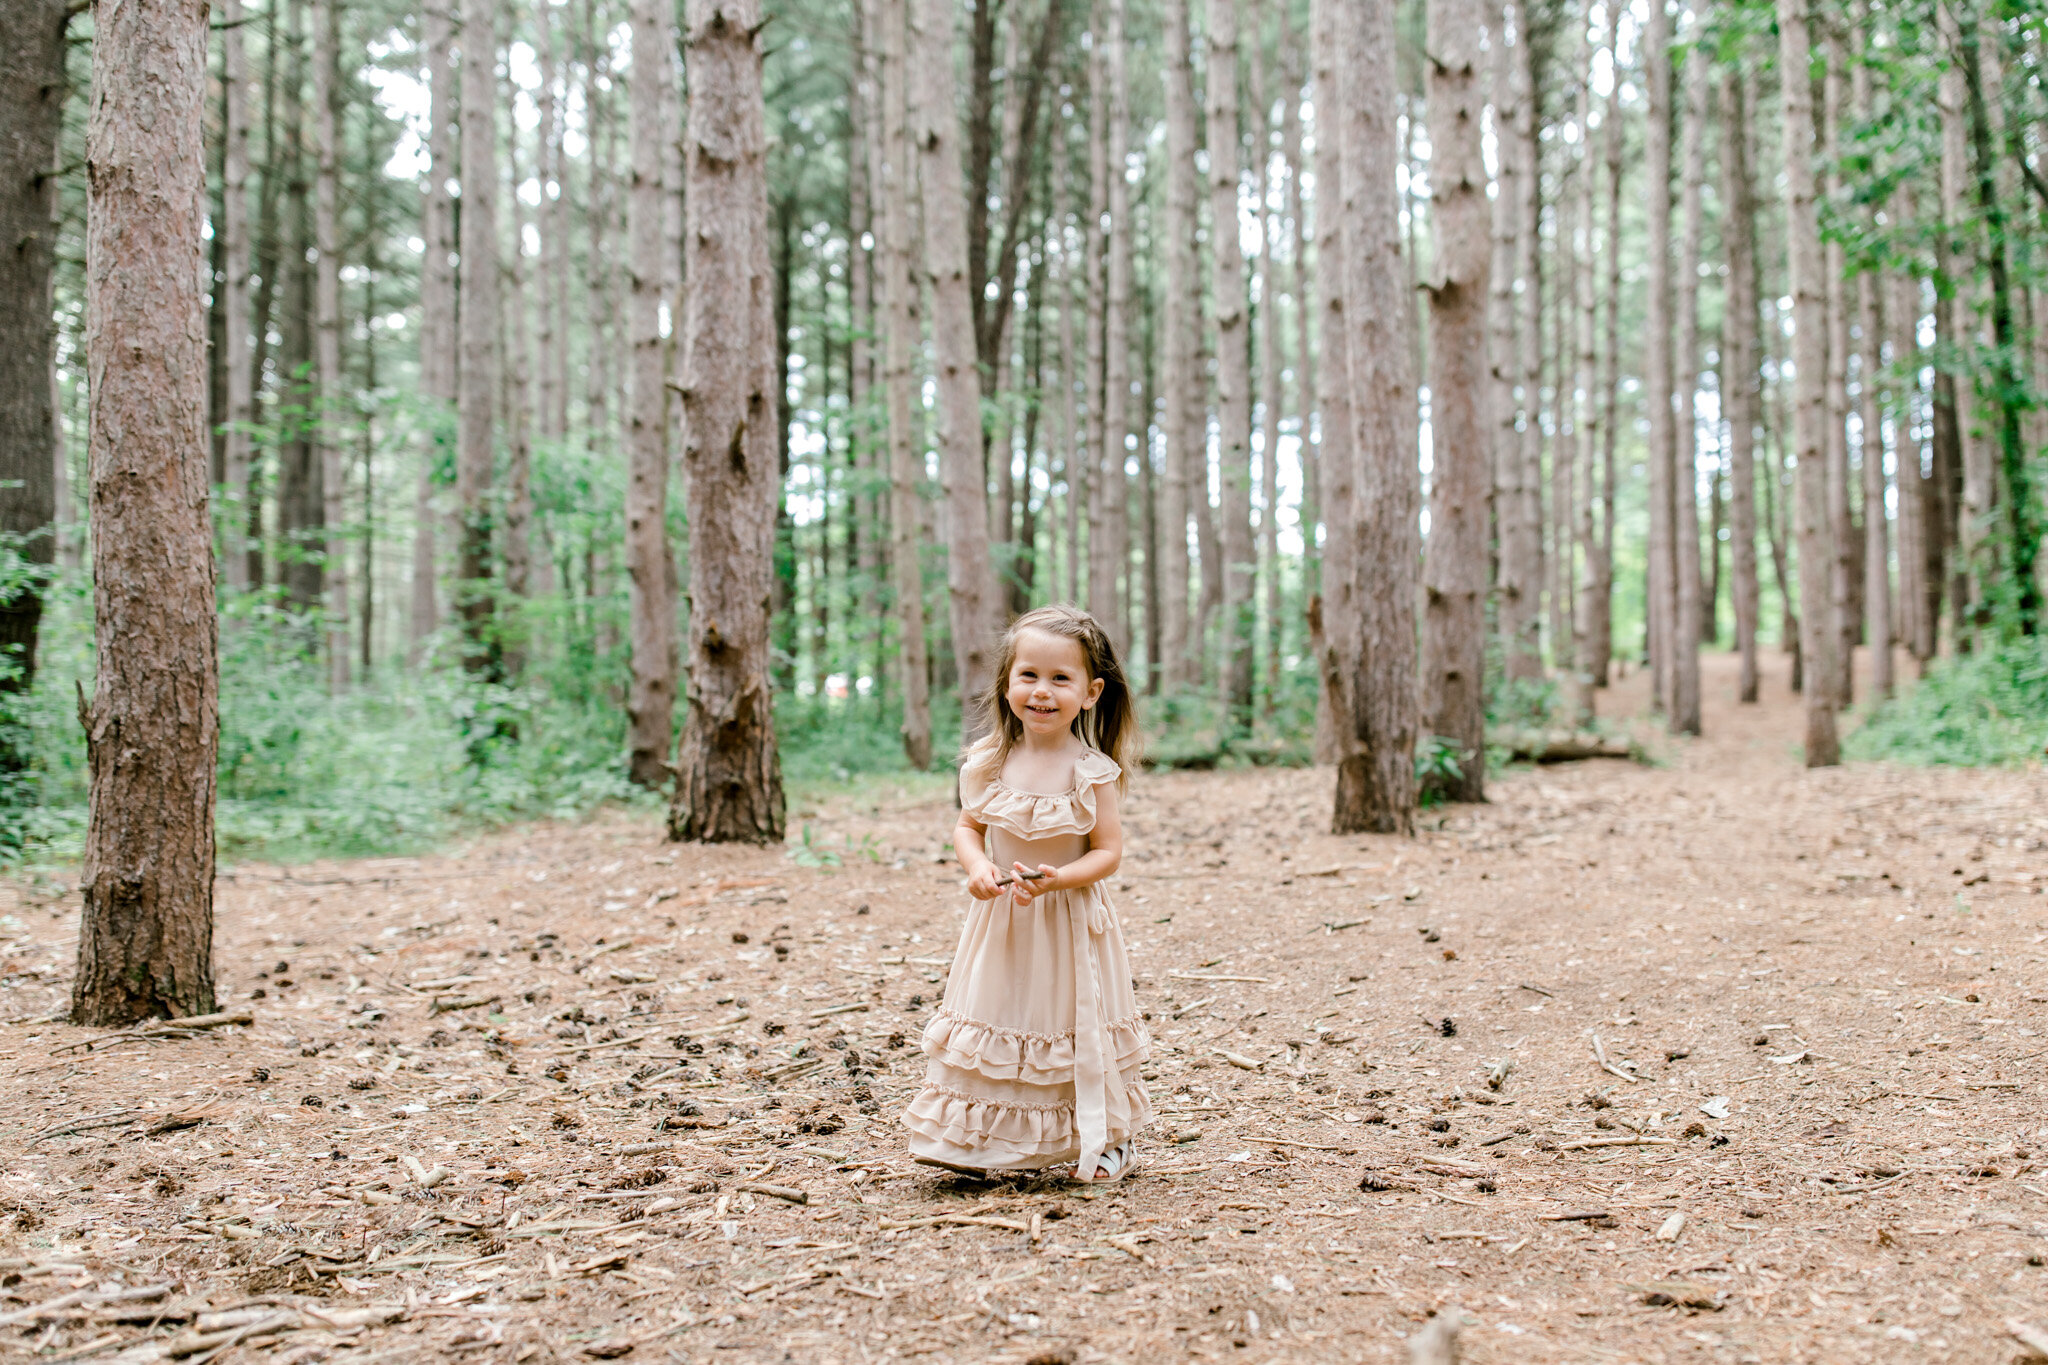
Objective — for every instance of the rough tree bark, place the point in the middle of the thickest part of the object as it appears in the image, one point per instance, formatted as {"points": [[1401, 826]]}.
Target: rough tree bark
{"points": [[1455, 571], [1843, 618], [1809, 359], [895, 184], [477, 389], [1376, 787], [1233, 365], [1877, 575], [1110, 528], [1685, 498], [1180, 380], [1332, 615], [1601, 653], [1310, 515], [326, 414], [975, 604], [234, 234], [1504, 447], [1958, 255], [32, 91], [437, 311], [651, 694], [1739, 369], [729, 774], [1272, 371], [1585, 304], [145, 939], [1662, 606]]}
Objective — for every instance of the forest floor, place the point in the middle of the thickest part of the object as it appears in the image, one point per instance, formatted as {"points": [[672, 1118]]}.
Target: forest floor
{"points": [[573, 1092]]}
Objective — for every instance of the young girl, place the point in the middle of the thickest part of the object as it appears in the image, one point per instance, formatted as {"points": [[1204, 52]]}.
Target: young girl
{"points": [[1034, 1055]]}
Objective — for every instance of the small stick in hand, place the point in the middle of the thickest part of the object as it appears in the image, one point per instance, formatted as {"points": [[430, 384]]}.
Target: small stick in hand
{"points": [[1009, 877]]}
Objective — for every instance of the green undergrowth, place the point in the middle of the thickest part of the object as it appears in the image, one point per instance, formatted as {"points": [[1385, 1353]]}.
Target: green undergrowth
{"points": [[1983, 710]]}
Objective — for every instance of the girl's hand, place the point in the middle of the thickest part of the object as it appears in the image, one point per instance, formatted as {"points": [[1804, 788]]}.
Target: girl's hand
{"points": [[1023, 889], [981, 882]]}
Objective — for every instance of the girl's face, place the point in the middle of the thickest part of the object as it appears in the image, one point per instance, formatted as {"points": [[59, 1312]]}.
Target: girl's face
{"points": [[1049, 684]]}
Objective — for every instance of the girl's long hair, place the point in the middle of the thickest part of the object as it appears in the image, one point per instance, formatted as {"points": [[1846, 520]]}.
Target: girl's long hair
{"points": [[1111, 725]]}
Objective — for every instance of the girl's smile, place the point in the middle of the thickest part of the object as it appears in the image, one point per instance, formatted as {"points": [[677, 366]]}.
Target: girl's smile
{"points": [[1049, 686]]}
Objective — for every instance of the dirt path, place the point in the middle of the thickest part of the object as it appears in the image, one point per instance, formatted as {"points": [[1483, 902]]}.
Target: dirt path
{"points": [[1820, 997]]}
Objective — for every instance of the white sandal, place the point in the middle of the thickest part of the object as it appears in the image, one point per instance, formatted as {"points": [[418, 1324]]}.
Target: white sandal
{"points": [[1113, 1165]]}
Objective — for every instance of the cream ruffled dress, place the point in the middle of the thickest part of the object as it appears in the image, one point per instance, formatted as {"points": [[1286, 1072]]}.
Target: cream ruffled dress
{"points": [[1034, 1055]]}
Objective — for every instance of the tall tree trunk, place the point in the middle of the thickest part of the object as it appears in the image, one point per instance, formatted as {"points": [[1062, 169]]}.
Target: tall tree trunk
{"points": [[1809, 358], [1504, 380], [1958, 256], [906, 468], [1095, 290], [1376, 787], [234, 241], [299, 501], [975, 605], [2015, 504], [551, 331], [1739, 369], [1916, 623], [1233, 365], [1522, 499], [1581, 390], [1685, 484], [1662, 609], [1180, 382], [1308, 445], [1454, 572], [32, 92], [729, 774], [1842, 613], [1601, 604], [327, 413], [601, 133], [437, 312], [1777, 515], [517, 543], [1877, 578], [477, 394], [1112, 527], [145, 938], [1332, 612], [1272, 376], [651, 695]]}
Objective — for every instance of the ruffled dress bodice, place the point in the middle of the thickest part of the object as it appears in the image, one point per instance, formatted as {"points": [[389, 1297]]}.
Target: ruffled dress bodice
{"points": [[1033, 1057]]}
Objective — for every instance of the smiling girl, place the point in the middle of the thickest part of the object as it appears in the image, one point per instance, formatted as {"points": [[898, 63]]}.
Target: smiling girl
{"points": [[1035, 1054]]}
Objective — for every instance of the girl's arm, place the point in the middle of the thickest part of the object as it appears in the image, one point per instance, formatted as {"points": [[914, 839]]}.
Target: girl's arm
{"points": [[968, 837], [1105, 853]]}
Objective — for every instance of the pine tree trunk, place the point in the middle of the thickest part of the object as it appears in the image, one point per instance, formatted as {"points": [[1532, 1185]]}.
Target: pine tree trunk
{"points": [[437, 313], [600, 125], [234, 307], [1332, 611], [1685, 498], [1376, 787], [1180, 382], [327, 413], [32, 91], [1959, 250], [1915, 626], [517, 542], [1877, 578], [1095, 290], [1272, 380], [1809, 357], [145, 939], [1579, 683], [975, 605], [1662, 607], [1518, 495], [299, 502], [1842, 613], [1113, 527], [729, 775], [477, 390], [1455, 570], [1601, 653], [650, 697], [1503, 387], [1739, 368], [1307, 441], [1233, 365], [906, 469]]}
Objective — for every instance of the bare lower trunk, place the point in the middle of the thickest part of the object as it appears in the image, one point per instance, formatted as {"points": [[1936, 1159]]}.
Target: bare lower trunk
{"points": [[729, 773], [1958, 263], [651, 695], [1662, 607], [1504, 439], [1272, 366], [437, 315], [906, 468], [1685, 498], [234, 234], [1739, 369], [1809, 358], [1233, 366], [1842, 613], [1308, 442], [1113, 526], [477, 390], [1877, 578], [1580, 391], [1601, 631], [1376, 786], [145, 939], [1454, 574], [1180, 381], [1332, 612], [327, 335], [975, 606]]}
